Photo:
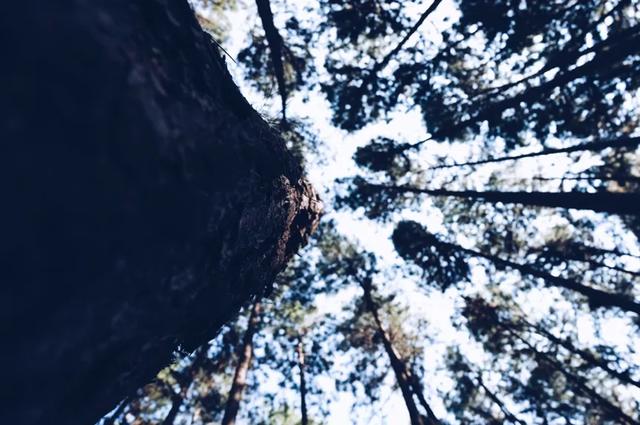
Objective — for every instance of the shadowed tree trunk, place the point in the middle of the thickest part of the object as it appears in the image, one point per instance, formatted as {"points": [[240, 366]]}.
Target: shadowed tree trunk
{"points": [[495, 399], [369, 79], [410, 238], [609, 202], [276, 45], [588, 357], [402, 374], [244, 362], [578, 382], [597, 145], [144, 201], [303, 384]]}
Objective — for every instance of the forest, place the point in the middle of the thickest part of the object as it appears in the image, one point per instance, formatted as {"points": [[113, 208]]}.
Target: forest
{"points": [[321, 212]]}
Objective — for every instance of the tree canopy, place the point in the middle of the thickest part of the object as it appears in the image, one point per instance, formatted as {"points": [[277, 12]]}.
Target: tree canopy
{"points": [[479, 259]]}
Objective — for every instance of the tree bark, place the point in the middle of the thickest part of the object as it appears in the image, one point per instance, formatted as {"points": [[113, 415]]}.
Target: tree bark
{"points": [[597, 145], [577, 381], [276, 44], [144, 201], [403, 376], [303, 384], [596, 297], [608, 202], [244, 362], [589, 358], [505, 411], [602, 65]]}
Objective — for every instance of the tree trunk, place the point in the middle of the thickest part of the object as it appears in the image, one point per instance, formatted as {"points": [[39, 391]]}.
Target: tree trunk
{"points": [[603, 65], [303, 384], [506, 412], [577, 381], [609, 202], [244, 362], [276, 44], [370, 78], [596, 297], [144, 201], [176, 403], [589, 358], [403, 376], [598, 145]]}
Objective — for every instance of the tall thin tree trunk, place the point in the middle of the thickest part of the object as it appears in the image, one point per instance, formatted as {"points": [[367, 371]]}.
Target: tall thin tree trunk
{"points": [[599, 264], [609, 202], [578, 381], [303, 383], [370, 77], [176, 402], [566, 58], [244, 362], [597, 145], [596, 297], [607, 62], [380, 65], [276, 45], [594, 362], [506, 412], [403, 376]]}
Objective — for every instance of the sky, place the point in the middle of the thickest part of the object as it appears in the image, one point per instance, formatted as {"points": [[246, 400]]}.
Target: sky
{"points": [[438, 308]]}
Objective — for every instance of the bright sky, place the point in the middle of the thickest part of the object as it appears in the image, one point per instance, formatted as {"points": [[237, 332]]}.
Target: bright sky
{"points": [[437, 307]]}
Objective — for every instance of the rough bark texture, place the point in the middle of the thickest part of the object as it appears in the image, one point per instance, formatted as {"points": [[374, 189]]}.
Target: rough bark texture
{"points": [[144, 201]]}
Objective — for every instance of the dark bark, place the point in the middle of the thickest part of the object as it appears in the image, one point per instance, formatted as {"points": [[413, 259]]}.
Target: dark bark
{"points": [[111, 419], [276, 45], [578, 382], [144, 201], [565, 59], [608, 202], [589, 358], [402, 373], [606, 64], [245, 354], [380, 65], [598, 145], [371, 76], [176, 403], [506, 412], [591, 178], [598, 264], [596, 297], [303, 384]]}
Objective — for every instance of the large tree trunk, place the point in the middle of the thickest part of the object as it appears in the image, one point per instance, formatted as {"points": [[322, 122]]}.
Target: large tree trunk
{"points": [[245, 354], [143, 201]]}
